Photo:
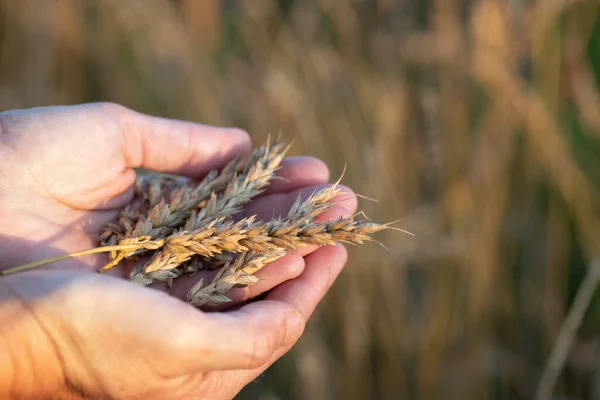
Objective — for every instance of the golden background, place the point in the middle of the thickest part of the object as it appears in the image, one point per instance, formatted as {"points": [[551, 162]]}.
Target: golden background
{"points": [[477, 122]]}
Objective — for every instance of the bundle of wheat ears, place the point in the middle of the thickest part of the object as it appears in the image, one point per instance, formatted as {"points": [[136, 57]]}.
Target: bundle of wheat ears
{"points": [[176, 227]]}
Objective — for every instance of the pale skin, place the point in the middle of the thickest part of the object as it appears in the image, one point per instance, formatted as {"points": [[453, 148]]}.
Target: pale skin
{"points": [[67, 332]]}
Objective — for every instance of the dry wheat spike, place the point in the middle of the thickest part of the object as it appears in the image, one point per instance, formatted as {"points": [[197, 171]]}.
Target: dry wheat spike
{"points": [[245, 235], [240, 189], [237, 272], [166, 266], [240, 272], [164, 203], [172, 255]]}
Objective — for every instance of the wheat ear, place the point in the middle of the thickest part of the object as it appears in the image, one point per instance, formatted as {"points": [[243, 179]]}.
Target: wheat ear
{"points": [[171, 266], [240, 273], [247, 236], [163, 215], [239, 190], [228, 232], [150, 190], [237, 272]]}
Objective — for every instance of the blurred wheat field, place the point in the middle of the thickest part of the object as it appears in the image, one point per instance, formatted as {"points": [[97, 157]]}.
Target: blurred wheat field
{"points": [[476, 121]]}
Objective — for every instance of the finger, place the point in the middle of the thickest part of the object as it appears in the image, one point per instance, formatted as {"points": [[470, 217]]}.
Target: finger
{"points": [[273, 274], [278, 204], [298, 172], [247, 338], [238, 379], [321, 269], [174, 146], [303, 293], [134, 322]]}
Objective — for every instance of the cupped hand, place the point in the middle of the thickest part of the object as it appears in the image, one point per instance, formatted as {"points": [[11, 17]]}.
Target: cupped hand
{"points": [[68, 332]]}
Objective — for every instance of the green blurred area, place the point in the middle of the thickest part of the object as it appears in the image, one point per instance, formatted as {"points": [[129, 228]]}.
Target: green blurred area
{"points": [[476, 121]]}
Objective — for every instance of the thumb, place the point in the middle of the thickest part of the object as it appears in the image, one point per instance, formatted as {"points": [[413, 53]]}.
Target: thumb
{"points": [[174, 146]]}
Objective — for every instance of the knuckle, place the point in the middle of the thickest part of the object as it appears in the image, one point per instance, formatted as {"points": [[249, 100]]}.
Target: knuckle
{"points": [[240, 132], [112, 108], [262, 349]]}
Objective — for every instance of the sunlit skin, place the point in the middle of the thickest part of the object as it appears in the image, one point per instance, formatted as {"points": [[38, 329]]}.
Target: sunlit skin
{"points": [[67, 332]]}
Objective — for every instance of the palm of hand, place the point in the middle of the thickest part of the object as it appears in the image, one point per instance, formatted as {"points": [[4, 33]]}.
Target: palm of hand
{"points": [[66, 172]]}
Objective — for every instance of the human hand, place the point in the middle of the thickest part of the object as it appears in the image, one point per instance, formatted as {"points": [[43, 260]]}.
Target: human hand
{"points": [[68, 333]]}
